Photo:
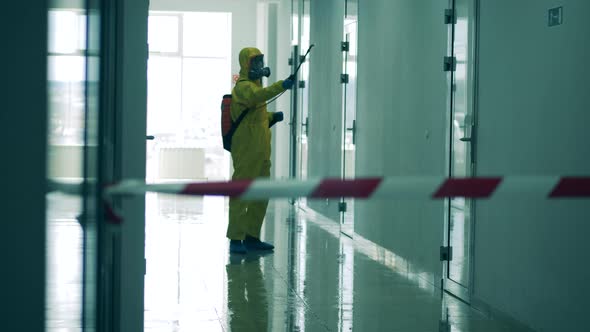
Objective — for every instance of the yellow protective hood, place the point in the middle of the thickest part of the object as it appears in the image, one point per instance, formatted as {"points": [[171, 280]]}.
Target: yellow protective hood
{"points": [[246, 55]]}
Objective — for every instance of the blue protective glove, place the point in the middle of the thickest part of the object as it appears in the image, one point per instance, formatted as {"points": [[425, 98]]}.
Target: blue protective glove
{"points": [[288, 83], [276, 117]]}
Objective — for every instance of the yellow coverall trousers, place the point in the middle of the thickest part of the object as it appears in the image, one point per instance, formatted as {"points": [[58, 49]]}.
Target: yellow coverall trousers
{"points": [[251, 160]]}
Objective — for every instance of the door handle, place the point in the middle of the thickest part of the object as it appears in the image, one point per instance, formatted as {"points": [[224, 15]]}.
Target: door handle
{"points": [[150, 137], [306, 126], [353, 129], [465, 139]]}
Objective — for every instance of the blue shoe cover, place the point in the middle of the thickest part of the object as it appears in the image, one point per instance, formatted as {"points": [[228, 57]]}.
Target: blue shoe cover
{"points": [[237, 247], [252, 243]]}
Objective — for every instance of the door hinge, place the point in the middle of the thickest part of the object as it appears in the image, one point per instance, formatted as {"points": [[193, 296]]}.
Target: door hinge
{"points": [[302, 84], [345, 46], [446, 253], [450, 63], [450, 17], [290, 61], [344, 78], [342, 207]]}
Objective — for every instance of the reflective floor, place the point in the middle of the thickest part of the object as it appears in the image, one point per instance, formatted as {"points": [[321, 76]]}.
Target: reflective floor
{"points": [[316, 280], [64, 264]]}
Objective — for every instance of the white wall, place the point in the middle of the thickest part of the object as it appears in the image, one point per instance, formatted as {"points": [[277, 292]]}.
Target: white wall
{"points": [[325, 97], [401, 119], [532, 255]]}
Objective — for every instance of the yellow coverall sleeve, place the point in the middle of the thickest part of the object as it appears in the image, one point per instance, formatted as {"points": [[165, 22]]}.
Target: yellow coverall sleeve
{"points": [[255, 95]]}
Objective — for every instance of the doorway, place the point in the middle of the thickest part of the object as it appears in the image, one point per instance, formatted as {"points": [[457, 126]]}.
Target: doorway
{"points": [[189, 70], [349, 97], [460, 212]]}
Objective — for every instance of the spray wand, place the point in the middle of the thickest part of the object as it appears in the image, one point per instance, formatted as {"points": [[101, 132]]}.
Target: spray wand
{"points": [[294, 75]]}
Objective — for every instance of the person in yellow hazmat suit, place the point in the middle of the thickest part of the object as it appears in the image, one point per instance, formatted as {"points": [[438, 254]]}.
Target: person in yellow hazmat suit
{"points": [[250, 149]]}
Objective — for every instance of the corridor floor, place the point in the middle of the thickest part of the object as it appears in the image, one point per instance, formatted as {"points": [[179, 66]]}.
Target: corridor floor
{"points": [[316, 280]]}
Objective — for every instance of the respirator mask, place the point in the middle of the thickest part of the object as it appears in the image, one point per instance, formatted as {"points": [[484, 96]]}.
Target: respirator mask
{"points": [[257, 69]]}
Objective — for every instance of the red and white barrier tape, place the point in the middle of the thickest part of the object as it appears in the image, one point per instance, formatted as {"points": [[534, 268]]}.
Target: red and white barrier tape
{"points": [[76, 187], [407, 187]]}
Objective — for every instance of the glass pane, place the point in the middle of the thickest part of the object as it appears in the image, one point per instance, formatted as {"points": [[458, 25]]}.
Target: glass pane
{"points": [[66, 239], [295, 35], [198, 39], [351, 87], [460, 240], [201, 118], [349, 108], [184, 94], [163, 33], [67, 31], [201, 99], [164, 91], [461, 163], [304, 92], [66, 99]]}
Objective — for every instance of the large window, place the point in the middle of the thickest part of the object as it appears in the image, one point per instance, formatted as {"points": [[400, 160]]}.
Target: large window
{"points": [[189, 70], [66, 65]]}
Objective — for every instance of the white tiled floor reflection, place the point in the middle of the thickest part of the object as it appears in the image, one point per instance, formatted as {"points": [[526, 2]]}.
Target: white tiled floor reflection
{"points": [[316, 280], [64, 264], [185, 263]]}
